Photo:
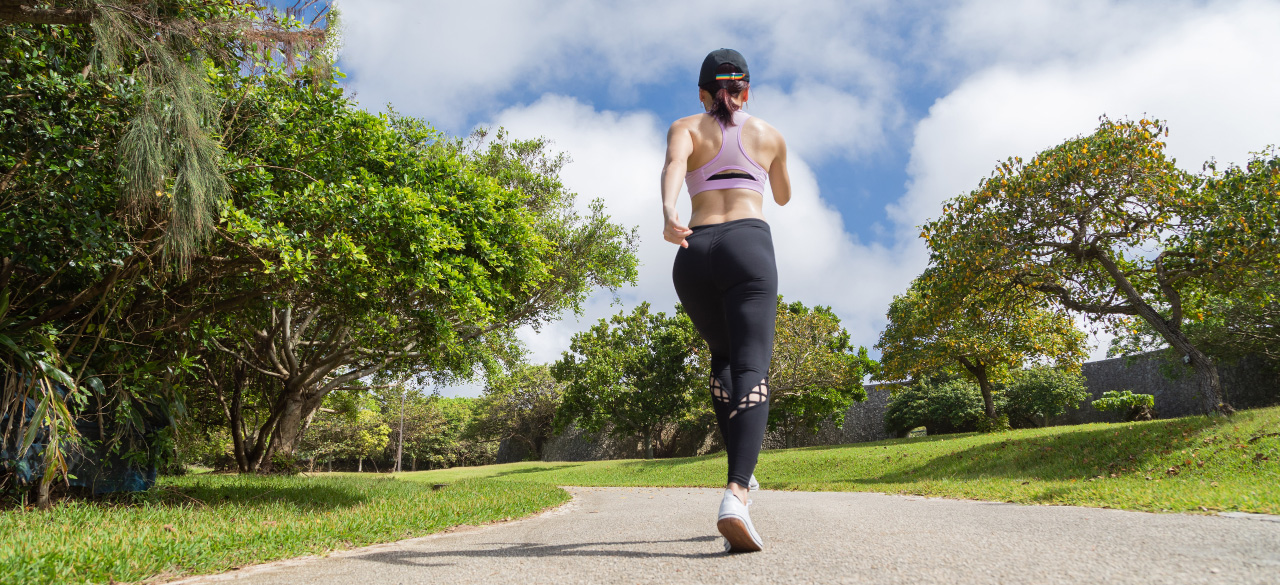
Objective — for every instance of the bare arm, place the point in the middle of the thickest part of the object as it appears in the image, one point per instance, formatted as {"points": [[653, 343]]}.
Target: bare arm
{"points": [[779, 180], [679, 147]]}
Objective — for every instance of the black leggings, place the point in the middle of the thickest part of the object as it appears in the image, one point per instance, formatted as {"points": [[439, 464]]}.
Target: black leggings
{"points": [[728, 283]]}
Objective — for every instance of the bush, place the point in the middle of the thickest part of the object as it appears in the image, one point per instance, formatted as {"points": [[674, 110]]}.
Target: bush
{"points": [[1039, 393], [942, 407], [1133, 406]]}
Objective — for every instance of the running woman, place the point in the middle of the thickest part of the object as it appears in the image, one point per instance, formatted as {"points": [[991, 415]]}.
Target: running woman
{"points": [[724, 271]]}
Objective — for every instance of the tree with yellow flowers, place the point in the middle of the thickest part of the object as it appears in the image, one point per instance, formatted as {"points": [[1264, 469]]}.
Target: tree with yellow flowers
{"points": [[941, 324], [1107, 225]]}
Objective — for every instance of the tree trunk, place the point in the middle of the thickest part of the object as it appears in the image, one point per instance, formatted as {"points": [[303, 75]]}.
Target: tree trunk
{"points": [[988, 401], [413, 465], [42, 494], [1206, 372], [359, 464], [288, 428], [648, 444], [979, 371]]}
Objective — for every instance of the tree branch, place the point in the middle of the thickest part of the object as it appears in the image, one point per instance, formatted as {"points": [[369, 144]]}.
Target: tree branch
{"points": [[19, 14]]}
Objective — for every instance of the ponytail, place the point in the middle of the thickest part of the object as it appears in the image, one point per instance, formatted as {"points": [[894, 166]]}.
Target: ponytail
{"points": [[728, 85]]}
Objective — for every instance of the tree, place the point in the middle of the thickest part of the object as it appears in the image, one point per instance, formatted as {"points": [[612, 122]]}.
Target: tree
{"points": [[942, 322], [350, 428], [1036, 394], [633, 374], [416, 423], [110, 171], [1106, 225], [941, 404], [520, 405], [816, 373], [164, 48], [398, 252], [1228, 325]]}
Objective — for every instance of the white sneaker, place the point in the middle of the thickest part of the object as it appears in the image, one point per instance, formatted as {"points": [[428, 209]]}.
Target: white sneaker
{"points": [[735, 525], [753, 485]]}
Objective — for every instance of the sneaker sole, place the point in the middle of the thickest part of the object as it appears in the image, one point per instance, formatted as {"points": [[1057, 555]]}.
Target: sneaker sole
{"points": [[735, 531]]}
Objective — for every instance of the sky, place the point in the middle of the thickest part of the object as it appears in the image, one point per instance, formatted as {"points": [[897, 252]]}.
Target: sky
{"points": [[889, 108]]}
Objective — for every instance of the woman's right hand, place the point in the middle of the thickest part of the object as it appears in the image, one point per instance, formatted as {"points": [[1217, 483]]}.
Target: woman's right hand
{"points": [[676, 232]]}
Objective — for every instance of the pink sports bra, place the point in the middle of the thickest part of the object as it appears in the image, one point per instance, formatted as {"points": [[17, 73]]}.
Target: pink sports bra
{"points": [[731, 168]]}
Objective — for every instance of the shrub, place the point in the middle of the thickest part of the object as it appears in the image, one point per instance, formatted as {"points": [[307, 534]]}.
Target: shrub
{"points": [[1039, 393], [942, 407], [1133, 406]]}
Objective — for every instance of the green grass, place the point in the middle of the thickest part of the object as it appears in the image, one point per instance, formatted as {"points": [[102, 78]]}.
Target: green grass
{"points": [[212, 523], [1195, 464]]}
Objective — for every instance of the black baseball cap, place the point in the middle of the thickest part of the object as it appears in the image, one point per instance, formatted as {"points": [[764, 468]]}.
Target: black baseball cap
{"points": [[707, 76]]}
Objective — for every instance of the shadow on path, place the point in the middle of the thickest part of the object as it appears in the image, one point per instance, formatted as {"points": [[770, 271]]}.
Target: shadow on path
{"points": [[535, 550]]}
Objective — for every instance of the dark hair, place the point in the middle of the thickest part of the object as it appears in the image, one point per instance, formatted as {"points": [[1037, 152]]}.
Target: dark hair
{"points": [[721, 90]]}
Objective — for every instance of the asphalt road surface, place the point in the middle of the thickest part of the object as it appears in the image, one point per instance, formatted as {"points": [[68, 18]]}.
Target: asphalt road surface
{"points": [[651, 535]]}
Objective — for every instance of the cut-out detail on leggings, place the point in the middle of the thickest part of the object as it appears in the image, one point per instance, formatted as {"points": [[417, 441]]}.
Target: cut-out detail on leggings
{"points": [[757, 396], [717, 391]]}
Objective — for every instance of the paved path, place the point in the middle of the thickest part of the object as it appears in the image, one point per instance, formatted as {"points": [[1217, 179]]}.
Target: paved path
{"points": [[645, 535]]}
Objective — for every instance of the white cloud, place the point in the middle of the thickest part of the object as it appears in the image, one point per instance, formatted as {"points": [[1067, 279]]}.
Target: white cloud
{"points": [[449, 61], [821, 122]]}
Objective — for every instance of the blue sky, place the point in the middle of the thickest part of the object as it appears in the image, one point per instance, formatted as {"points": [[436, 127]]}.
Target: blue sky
{"points": [[889, 107]]}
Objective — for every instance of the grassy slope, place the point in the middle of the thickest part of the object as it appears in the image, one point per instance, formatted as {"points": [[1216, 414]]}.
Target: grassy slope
{"points": [[212, 523], [1181, 465]]}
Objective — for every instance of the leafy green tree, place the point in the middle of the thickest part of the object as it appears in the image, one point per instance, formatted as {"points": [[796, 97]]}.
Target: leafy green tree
{"points": [[393, 255], [633, 374], [939, 404], [520, 405], [108, 170], [1106, 225], [454, 444], [941, 323], [816, 372], [415, 424], [168, 153], [352, 428], [1036, 394]]}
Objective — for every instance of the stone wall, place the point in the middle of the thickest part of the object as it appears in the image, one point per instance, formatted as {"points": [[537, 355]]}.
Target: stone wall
{"points": [[578, 445], [1248, 384], [863, 422]]}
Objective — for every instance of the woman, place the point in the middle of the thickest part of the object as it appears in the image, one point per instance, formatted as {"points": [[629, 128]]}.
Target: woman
{"points": [[724, 270]]}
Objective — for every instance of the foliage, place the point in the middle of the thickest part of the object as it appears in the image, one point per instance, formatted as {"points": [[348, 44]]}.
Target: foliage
{"points": [[941, 406], [415, 423], [399, 256], [1194, 464], [1036, 394], [212, 523], [816, 372], [1108, 226], [520, 406], [1227, 324], [406, 260], [1126, 403], [632, 374], [945, 322], [355, 429]]}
